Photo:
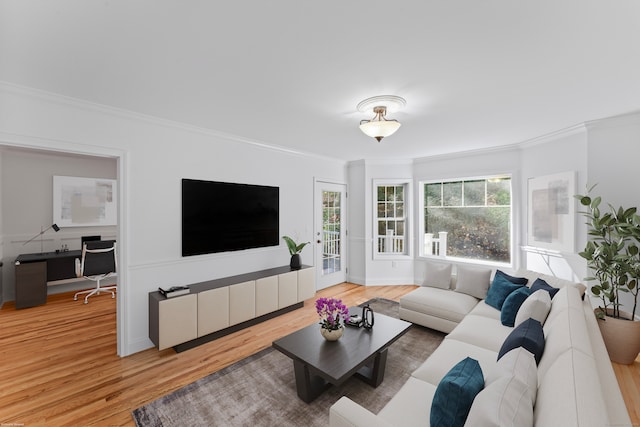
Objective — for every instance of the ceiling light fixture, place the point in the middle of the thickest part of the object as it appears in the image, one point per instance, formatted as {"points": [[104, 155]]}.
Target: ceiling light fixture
{"points": [[380, 127]]}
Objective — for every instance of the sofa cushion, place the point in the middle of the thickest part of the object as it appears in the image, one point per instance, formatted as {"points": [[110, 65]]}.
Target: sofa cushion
{"points": [[455, 393], [411, 404], [541, 284], [448, 353], [499, 291], [481, 331], [505, 402], [518, 363], [512, 279], [512, 304], [473, 281], [536, 306], [529, 335], [484, 309], [441, 303], [437, 275]]}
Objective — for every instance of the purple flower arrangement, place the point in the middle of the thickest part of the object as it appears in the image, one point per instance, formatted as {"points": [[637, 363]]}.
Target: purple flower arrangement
{"points": [[331, 312]]}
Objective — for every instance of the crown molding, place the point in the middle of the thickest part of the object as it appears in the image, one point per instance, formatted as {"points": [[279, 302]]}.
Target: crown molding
{"points": [[82, 104], [626, 119], [468, 153], [552, 136]]}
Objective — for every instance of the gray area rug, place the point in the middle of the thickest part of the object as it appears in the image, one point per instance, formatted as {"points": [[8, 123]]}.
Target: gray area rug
{"points": [[260, 390]]}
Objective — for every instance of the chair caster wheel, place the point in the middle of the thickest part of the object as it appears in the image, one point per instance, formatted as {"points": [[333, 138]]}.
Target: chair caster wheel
{"points": [[86, 302], [75, 298]]}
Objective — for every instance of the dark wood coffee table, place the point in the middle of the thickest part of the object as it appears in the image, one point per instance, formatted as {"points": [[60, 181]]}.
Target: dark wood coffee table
{"points": [[318, 363]]}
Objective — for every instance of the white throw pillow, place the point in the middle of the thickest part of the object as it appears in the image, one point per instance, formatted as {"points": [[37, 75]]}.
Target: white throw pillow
{"points": [[504, 403], [473, 281], [438, 275], [536, 306], [519, 363]]}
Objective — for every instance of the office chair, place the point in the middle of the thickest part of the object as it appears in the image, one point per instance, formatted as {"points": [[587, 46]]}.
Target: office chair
{"points": [[98, 262]]}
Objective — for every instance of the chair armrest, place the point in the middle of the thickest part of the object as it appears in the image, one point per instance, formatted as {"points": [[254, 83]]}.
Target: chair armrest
{"points": [[78, 272], [346, 413]]}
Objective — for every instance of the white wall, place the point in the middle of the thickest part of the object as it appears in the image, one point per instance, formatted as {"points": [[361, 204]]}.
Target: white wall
{"points": [[564, 151], [26, 189], [357, 222], [612, 163], [1, 240], [364, 269], [153, 155]]}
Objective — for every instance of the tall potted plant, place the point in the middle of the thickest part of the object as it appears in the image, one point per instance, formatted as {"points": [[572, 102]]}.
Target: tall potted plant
{"points": [[294, 250], [613, 256]]}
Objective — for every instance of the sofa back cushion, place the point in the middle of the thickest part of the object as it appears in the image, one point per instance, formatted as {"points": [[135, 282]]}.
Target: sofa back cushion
{"points": [[455, 393], [569, 390], [512, 304], [529, 335], [437, 275], [499, 291], [512, 279], [536, 306], [518, 363], [541, 284], [551, 280], [473, 281], [505, 402]]}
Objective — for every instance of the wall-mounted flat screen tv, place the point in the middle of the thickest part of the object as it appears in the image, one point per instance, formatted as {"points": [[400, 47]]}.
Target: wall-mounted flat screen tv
{"points": [[224, 216]]}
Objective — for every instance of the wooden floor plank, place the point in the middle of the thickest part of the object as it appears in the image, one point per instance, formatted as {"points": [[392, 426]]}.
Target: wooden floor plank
{"points": [[59, 362]]}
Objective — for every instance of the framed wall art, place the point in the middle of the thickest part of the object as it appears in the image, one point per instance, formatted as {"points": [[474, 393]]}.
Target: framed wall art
{"points": [[84, 202], [551, 212]]}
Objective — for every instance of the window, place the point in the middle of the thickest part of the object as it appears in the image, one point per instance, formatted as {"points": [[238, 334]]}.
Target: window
{"points": [[390, 223], [468, 218]]}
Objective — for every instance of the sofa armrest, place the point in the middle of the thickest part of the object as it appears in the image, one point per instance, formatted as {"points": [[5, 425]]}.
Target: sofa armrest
{"points": [[347, 413]]}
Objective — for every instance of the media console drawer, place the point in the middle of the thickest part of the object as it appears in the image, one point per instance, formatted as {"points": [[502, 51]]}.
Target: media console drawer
{"points": [[219, 307]]}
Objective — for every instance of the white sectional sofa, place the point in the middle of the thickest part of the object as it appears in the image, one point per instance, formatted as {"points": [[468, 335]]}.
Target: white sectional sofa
{"points": [[576, 385]]}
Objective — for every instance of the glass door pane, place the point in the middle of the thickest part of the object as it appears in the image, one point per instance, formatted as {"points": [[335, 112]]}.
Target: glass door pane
{"points": [[331, 239]]}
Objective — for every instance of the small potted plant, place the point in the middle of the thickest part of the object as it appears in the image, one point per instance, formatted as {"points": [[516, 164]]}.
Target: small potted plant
{"points": [[613, 255], [333, 313], [294, 250]]}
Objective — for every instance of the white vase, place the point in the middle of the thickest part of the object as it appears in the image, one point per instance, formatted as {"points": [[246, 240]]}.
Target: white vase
{"points": [[332, 334]]}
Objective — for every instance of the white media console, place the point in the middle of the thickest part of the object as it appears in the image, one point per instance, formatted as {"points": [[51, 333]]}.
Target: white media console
{"points": [[219, 307]]}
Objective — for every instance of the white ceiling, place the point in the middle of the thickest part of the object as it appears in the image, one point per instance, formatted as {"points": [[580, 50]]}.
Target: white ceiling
{"points": [[290, 73]]}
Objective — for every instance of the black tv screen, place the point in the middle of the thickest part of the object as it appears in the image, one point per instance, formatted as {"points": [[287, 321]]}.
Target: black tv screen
{"points": [[223, 216]]}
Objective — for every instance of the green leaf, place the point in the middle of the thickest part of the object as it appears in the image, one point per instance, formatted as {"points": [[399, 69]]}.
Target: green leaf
{"points": [[585, 201]]}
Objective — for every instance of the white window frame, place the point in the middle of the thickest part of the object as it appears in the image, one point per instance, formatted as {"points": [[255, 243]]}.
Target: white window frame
{"points": [[408, 213], [459, 260]]}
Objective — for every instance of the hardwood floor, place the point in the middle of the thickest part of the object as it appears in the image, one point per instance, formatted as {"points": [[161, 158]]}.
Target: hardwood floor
{"points": [[60, 368]]}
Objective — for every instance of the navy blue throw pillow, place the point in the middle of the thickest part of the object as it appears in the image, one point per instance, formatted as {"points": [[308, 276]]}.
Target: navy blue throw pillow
{"points": [[512, 279], [528, 335], [499, 291], [455, 393], [512, 305], [541, 284]]}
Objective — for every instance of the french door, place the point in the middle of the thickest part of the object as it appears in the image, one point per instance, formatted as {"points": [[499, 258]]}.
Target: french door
{"points": [[330, 233]]}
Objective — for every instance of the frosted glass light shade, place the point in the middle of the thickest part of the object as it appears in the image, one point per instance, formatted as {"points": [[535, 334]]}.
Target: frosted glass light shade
{"points": [[379, 129]]}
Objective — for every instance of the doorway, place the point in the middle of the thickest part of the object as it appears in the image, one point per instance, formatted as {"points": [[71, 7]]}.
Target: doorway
{"points": [[330, 233], [41, 150]]}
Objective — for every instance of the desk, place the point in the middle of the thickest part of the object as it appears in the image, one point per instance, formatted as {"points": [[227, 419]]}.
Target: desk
{"points": [[33, 271]]}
